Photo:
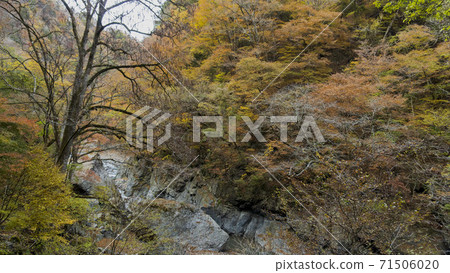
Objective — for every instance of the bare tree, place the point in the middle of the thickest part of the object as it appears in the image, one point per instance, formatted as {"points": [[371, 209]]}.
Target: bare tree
{"points": [[75, 44]]}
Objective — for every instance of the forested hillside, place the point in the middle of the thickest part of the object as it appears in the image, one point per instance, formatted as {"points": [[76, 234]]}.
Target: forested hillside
{"points": [[374, 76]]}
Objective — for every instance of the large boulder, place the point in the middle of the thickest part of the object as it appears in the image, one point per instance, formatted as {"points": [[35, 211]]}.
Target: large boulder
{"points": [[187, 226], [269, 236]]}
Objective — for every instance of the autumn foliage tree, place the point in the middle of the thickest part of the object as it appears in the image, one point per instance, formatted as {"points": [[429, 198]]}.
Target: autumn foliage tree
{"points": [[376, 82]]}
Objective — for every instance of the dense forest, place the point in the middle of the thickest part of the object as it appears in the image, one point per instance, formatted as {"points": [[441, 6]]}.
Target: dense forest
{"points": [[374, 75]]}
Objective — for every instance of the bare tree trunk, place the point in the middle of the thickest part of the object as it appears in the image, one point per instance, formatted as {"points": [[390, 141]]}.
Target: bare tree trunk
{"points": [[81, 83]]}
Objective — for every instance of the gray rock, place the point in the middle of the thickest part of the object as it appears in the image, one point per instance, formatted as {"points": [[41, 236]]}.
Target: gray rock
{"points": [[270, 235], [188, 226], [235, 222], [189, 213]]}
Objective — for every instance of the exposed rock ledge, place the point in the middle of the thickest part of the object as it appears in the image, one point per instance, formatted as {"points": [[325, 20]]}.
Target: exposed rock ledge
{"points": [[190, 213]]}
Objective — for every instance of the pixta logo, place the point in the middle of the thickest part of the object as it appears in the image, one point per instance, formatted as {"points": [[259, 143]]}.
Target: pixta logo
{"points": [[141, 126], [146, 123], [308, 129]]}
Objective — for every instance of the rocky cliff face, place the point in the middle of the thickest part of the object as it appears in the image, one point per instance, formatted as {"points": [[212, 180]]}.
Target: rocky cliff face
{"points": [[190, 209]]}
